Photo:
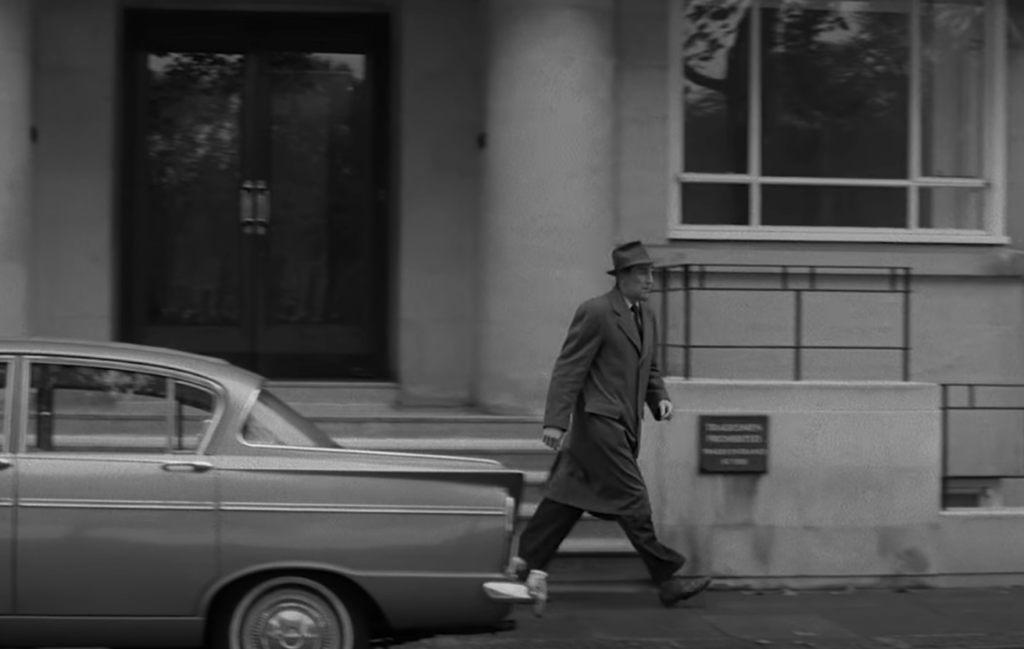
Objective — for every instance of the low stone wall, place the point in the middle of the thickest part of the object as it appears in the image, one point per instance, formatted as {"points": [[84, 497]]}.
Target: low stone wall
{"points": [[851, 496]]}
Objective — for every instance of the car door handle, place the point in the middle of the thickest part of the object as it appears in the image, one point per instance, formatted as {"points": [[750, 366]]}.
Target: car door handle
{"points": [[193, 467], [5, 464]]}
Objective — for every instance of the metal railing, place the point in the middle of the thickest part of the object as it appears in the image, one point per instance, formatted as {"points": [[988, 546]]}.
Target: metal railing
{"points": [[693, 279], [973, 406], [972, 482]]}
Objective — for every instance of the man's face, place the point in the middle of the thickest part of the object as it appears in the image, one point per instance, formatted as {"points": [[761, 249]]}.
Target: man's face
{"points": [[636, 282]]}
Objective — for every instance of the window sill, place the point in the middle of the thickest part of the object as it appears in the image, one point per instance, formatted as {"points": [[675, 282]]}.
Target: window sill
{"points": [[982, 512], [861, 235]]}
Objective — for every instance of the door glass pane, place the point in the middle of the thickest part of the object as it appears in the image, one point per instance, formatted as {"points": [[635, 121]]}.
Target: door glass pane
{"points": [[318, 232], [192, 203], [836, 88]]}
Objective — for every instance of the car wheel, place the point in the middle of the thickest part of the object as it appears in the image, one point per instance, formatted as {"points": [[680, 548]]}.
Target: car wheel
{"points": [[295, 613]]}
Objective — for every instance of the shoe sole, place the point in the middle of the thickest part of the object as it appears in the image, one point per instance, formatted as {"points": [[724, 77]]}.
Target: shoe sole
{"points": [[704, 584]]}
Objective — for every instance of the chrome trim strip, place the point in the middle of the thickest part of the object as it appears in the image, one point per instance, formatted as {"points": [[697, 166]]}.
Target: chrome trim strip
{"points": [[90, 503], [508, 591], [468, 459], [300, 508], [6, 502]]}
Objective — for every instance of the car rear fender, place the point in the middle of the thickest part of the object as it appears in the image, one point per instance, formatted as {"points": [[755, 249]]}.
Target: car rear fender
{"points": [[230, 588]]}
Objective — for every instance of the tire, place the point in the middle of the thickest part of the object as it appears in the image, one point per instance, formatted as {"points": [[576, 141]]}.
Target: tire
{"points": [[294, 613]]}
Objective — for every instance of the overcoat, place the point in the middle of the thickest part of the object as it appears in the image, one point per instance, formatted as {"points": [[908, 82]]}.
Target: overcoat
{"points": [[603, 377]]}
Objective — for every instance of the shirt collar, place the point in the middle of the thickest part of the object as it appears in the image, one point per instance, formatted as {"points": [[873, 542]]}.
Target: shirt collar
{"points": [[629, 304]]}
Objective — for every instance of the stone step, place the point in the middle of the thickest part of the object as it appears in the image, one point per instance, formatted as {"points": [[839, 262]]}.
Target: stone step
{"points": [[383, 394], [589, 529], [608, 560], [534, 488], [597, 561], [379, 422]]}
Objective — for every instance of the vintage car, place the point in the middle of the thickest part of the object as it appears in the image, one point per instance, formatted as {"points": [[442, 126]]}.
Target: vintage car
{"points": [[152, 498]]}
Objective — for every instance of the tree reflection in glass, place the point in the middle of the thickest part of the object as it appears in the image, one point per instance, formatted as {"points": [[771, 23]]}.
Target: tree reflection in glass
{"points": [[319, 179], [798, 92], [192, 149]]}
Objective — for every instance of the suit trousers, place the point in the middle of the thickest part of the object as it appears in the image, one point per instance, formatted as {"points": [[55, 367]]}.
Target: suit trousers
{"points": [[553, 521]]}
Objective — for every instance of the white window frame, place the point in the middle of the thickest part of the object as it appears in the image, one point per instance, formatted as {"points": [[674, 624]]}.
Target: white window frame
{"points": [[994, 153]]}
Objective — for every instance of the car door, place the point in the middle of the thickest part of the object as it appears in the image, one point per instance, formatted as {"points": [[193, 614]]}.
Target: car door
{"points": [[7, 473], [115, 505]]}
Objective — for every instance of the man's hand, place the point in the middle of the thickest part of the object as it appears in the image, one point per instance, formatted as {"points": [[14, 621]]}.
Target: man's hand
{"points": [[553, 438], [665, 409]]}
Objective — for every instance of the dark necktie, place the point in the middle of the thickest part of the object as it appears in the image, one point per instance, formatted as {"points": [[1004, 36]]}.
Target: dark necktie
{"points": [[639, 321]]}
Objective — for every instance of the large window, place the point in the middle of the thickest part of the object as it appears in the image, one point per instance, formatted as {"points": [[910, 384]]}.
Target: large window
{"points": [[869, 120]]}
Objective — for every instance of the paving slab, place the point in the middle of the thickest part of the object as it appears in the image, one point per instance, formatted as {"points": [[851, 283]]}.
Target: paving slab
{"points": [[768, 627], [594, 618]]}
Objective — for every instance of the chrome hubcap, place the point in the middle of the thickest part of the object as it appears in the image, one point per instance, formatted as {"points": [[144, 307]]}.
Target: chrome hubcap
{"points": [[291, 619]]}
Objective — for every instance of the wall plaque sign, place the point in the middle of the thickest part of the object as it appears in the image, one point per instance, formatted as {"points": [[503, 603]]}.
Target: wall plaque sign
{"points": [[733, 443]]}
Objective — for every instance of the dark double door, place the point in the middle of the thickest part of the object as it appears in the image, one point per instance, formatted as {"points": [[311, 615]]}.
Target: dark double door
{"points": [[255, 196]]}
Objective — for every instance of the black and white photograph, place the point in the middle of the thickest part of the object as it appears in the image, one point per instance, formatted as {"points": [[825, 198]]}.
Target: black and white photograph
{"points": [[512, 324]]}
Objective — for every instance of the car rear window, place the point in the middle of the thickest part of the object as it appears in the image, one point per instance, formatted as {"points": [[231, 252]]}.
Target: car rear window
{"points": [[273, 422]]}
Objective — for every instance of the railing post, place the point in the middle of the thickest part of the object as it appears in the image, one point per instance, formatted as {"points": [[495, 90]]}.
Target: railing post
{"points": [[687, 320], [665, 275], [944, 459], [798, 326], [906, 324]]}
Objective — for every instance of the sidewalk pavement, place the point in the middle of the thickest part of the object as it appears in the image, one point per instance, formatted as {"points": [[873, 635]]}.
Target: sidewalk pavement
{"points": [[630, 617]]}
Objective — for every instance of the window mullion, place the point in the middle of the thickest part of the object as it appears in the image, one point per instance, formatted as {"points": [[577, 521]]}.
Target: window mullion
{"points": [[754, 130], [995, 136], [915, 150], [171, 423], [677, 108]]}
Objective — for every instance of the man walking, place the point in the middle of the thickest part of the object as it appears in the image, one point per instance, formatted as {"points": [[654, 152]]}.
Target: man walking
{"points": [[604, 375]]}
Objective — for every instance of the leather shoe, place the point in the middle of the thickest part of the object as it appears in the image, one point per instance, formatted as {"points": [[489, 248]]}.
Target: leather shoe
{"points": [[677, 589]]}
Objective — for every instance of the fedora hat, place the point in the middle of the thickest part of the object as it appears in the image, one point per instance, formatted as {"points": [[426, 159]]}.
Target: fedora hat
{"points": [[628, 255]]}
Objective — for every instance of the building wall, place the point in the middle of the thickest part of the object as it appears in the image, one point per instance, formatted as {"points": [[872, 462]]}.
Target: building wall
{"points": [[441, 103], [74, 250], [967, 301]]}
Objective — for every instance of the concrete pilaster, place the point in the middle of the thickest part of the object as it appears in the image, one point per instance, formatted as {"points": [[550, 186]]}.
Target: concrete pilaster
{"points": [[15, 164], [547, 222]]}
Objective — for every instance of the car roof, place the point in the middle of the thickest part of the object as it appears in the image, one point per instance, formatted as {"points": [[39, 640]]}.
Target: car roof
{"points": [[214, 368]]}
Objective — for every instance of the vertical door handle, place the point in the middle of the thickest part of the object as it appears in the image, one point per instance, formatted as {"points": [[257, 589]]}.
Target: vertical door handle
{"points": [[246, 202], [262, 219]]}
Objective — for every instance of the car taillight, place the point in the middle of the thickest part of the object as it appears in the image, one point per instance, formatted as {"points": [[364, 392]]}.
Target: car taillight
{"points": [[511, 509], [511, 515]]}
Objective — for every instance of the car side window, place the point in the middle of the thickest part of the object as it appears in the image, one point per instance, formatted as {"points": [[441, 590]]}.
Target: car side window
{"points": [[274, 423], [88, 409]]}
